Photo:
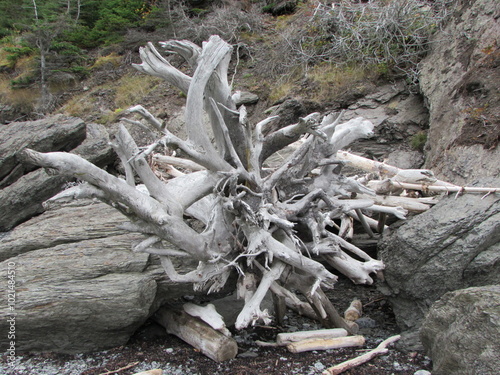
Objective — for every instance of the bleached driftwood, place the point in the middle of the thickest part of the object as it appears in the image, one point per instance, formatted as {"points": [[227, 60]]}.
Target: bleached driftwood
{"points": [[246, 216], [194, 331], [324, 344], [209, 315], [166, 161], [379, 350], [130, 365], [409, 204], [286, 338], [392, 185], [150, 372], [354, 311], [386, 170]]}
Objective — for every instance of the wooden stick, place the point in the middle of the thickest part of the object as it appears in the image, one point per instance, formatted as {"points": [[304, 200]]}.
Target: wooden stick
{"points": [[165, 160], [197, 333], [324, 344], [410, 204], [150, 372], [446, 189], [380, 349], [130, 365], [286, 338]]}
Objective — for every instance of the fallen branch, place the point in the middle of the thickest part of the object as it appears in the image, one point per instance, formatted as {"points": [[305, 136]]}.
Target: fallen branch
{"points": [[150, 372], [324, 344], [386, 170], [379, 350], [120, 369], [446, 189], [165, 161], [214, 344], [286, 338]]}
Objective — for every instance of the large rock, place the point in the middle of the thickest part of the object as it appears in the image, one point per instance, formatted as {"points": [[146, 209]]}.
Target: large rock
{"points": [[454, 245], [58, 133], [459, 79], [462, 331], [24, 188], [79, 287]]}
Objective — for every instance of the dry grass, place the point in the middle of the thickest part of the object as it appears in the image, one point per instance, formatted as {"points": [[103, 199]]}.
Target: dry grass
{"points": [[111, 60], [127, 91], [80, 105], [331, 81], [23, 100], [132, 89], [281, 91]]}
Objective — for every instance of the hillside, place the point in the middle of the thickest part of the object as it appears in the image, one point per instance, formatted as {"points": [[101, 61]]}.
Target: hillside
{"points": [[327, 55]]}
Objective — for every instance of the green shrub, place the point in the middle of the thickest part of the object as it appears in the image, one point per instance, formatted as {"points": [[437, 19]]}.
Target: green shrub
{"points": [[418, 141], [12, 54]]}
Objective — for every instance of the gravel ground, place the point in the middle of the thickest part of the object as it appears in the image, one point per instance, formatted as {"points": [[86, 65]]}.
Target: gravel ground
{"points": [[152, 348]]}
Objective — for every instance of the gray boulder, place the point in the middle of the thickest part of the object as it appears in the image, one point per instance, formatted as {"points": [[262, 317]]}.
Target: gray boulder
{"points": [[454, 245], [58, 133], [461, 332], [79, 287], [23, 188]]}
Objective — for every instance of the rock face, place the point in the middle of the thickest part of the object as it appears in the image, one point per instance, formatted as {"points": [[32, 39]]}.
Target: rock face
{"points": [[454, 245], [461, 332], [459, 79], [79, 287], [23, 188], [398, 116]]}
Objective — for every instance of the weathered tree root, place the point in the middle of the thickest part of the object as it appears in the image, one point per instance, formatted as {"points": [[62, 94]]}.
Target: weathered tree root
{"points": [[248, 217]]}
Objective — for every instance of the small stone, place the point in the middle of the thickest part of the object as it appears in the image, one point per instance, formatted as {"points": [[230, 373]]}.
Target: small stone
{"points": [[319, 366], [248, 354], [366, 322], [422, 372]]}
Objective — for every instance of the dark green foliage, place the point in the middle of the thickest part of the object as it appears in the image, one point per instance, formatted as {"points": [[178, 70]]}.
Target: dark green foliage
{"points": [[418, 141], [15, 53]]}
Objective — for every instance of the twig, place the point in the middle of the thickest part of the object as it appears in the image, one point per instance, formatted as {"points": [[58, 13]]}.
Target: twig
{"points": [[447, 189], [130, 365], [380, 349]]}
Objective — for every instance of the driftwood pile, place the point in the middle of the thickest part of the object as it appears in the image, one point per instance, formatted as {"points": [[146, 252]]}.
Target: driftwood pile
{"points": [[221, 204]]}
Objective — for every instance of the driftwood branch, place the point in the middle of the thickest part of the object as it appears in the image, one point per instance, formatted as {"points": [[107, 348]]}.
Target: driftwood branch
{"points": [[324, 344], [150, 372], [379, 350], [212, 343]]}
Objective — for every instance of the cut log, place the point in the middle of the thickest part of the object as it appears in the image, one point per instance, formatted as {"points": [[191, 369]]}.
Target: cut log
{"points": [[214, 344], [286, 338], [380, 349], [354, 311], [324, 344]]}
